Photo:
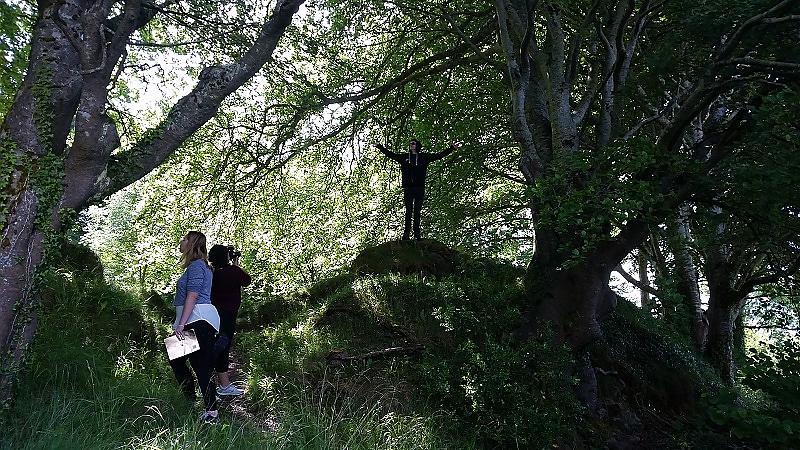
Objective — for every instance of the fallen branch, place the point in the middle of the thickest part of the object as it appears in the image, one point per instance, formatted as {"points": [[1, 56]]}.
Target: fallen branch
{"points": [[377, 354]]}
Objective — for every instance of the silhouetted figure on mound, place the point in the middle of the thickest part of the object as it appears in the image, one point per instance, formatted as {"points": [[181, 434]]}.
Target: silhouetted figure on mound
{"points": [[414, 167]]}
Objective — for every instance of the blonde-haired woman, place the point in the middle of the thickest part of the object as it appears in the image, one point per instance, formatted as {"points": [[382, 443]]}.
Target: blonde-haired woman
{"points": [[194, 311]]}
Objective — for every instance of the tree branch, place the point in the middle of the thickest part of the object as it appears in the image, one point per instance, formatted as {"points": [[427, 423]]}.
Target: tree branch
{"points": [[658, 115], [165, 45], [748, 61], [503, 174], [518, 60], [749, 285], [770, 327], [629, 278], [413, 72], [195, 109], [738, 35], [788, 18], [574, 47]]}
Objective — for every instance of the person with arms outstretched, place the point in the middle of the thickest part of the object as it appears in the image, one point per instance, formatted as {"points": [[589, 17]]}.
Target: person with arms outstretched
{"points": [[414, 168]]}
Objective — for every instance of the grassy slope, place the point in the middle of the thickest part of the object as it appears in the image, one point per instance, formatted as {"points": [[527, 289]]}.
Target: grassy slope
{"points": [[97, 376]]}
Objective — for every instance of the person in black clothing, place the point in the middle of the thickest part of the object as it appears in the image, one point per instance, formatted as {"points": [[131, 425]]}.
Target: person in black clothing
{"points": [[226, 295], [414, 168]]}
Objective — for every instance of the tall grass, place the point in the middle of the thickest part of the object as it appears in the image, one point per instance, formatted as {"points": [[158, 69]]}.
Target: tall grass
{"points": [[96, 378], [112, 415]]}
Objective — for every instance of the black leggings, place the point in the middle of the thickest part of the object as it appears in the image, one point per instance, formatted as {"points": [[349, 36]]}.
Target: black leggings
{"points": [[412, 199], [202, 363], [227, 326]]}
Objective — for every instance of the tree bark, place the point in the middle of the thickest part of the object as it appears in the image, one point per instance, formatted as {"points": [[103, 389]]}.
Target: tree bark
{"points": [[37, 126], [568, 303], [722, 315], [724, 304], [644, 278], [687, 279]]}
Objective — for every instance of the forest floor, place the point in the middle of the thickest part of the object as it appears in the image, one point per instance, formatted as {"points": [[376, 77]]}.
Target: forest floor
{"points": [[239, 407]]}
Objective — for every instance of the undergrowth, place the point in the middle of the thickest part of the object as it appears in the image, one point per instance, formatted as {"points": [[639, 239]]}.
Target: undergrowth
{"points": [[97, 376]]}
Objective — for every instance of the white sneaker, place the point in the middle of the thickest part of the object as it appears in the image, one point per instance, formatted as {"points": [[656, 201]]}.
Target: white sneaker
{"points": [[229, 390]]}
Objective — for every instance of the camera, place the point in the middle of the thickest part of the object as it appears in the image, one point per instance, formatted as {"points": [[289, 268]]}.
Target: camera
{"points": [[233, 254]]}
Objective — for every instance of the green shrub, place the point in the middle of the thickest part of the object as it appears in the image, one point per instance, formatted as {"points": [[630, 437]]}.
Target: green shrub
{"points": [[775, 369], [653, 361], [766, 408]]}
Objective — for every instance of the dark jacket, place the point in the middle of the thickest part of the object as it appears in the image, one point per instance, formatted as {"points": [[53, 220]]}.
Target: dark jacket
{"points": [[414, 167], [226, 289]]}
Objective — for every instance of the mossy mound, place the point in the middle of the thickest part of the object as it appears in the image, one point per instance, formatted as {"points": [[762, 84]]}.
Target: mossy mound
{"points": [[105, 316], [328, 286], [641, 355], [426, 343], [424, 257]]}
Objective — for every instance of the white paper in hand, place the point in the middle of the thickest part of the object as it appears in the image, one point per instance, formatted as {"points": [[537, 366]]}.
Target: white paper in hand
{"points": [[181, 347]]}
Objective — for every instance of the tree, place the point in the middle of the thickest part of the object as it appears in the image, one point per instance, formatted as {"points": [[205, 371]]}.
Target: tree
{"points": [[59, 136], [748, 222], [580, 99]]}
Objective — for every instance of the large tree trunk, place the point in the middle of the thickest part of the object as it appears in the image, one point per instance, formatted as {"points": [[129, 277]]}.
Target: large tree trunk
{"points": [[570, 301], [20, 254], [34, 134], [724, 304], [722, 315], [567, 304]]}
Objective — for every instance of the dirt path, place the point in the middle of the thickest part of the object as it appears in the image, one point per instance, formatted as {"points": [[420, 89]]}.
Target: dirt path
{"points": [[239, 407]]}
